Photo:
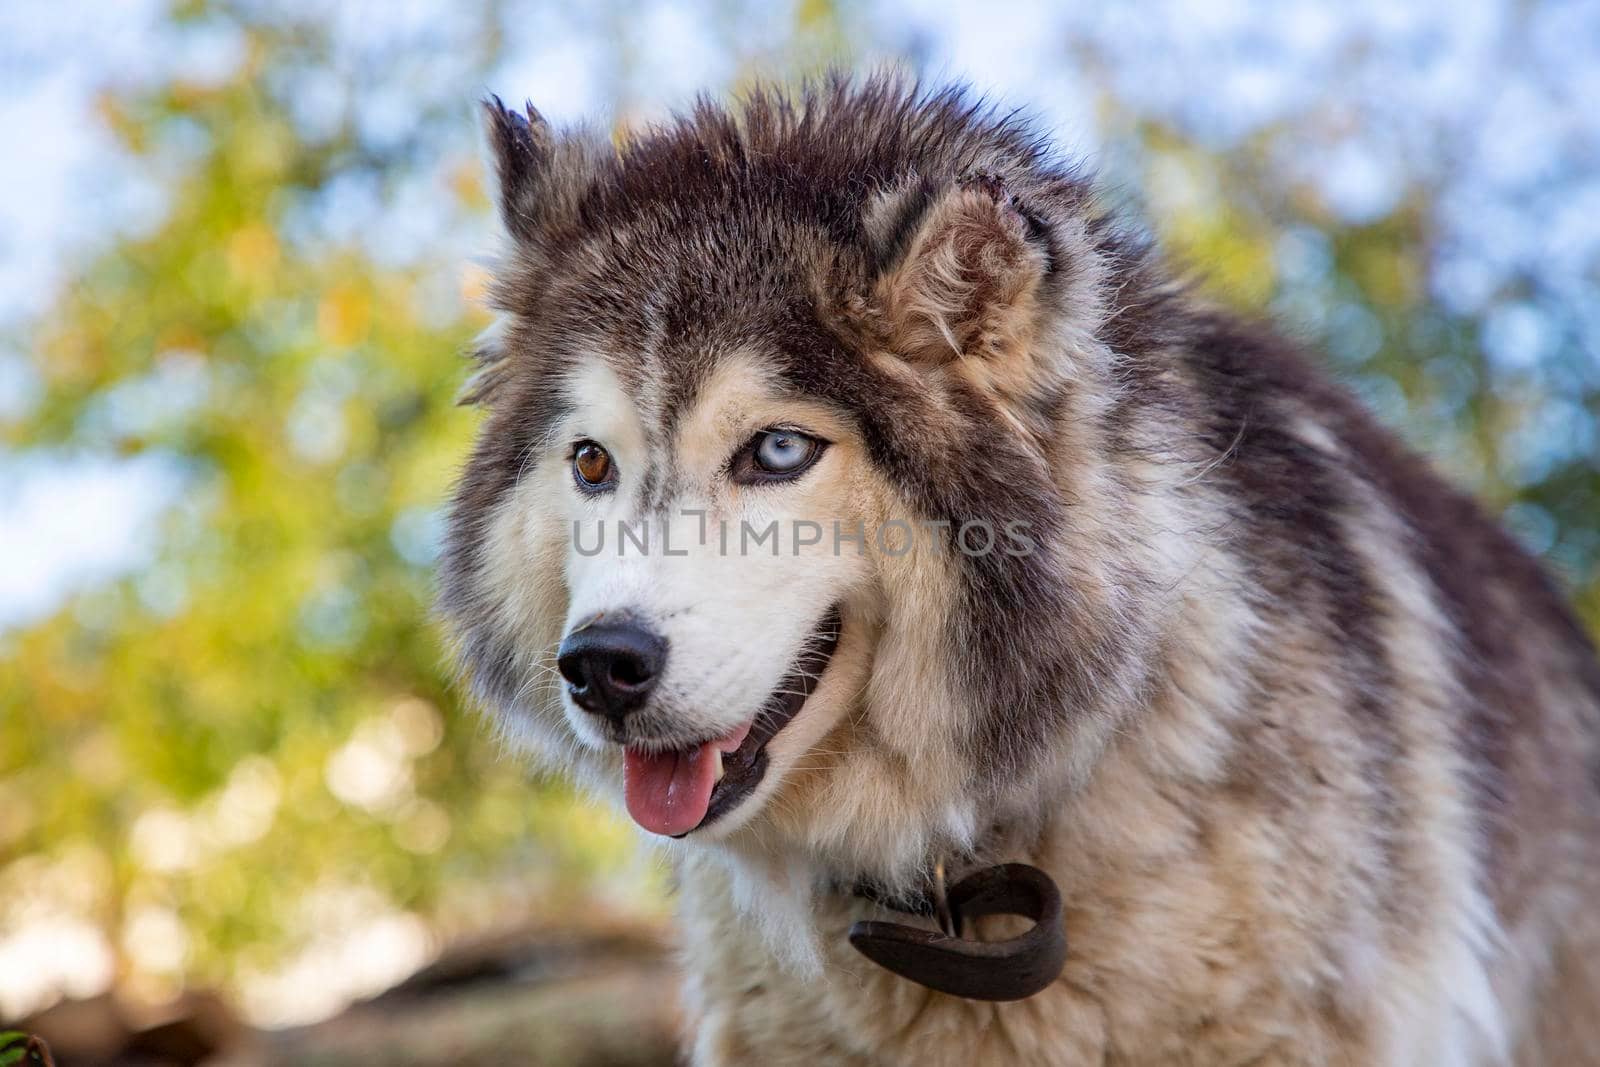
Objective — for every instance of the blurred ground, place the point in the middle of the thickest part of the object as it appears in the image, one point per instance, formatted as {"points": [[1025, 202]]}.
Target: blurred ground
{"points": [[586, 992]]}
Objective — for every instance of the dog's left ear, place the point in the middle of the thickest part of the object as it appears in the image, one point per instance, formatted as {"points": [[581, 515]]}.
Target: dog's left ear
{"points": [[523, 149], [959, 270]]}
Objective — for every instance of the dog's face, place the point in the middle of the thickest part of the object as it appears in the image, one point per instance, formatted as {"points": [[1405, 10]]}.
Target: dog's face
{"points": [[703, 593], [767, 529]]}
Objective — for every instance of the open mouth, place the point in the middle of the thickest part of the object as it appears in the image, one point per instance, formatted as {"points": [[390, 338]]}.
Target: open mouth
{"points": [[676, 791]]}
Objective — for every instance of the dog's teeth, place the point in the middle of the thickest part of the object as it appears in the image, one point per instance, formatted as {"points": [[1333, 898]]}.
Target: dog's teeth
{"points": [[720, 771]]}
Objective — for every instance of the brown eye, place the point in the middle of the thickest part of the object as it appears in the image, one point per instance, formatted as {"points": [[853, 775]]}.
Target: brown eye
{"points": [[592, 465]]}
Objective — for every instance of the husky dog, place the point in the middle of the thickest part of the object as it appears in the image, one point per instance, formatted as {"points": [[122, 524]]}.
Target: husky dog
{"points": [[856, 500]]}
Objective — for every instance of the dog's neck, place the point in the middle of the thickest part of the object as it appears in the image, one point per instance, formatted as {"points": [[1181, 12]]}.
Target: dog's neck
{"points": [[784, 894], [912, 888]]}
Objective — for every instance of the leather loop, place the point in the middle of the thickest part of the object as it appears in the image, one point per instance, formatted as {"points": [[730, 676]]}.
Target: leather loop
{"points": [[978, 970]]}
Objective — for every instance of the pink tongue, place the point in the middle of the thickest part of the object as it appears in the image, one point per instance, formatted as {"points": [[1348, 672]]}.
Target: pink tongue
{"points": [[669, 792]]}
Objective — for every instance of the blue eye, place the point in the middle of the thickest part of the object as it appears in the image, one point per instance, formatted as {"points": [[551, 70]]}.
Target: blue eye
{"points": [[781, 451], [775, 456]]}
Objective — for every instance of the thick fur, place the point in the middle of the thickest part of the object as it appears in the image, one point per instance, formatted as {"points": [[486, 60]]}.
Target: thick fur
{"points": [[1310, 745]]}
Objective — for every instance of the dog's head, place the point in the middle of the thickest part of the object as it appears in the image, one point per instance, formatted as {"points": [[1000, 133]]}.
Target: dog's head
{"points": [[791, 515]]}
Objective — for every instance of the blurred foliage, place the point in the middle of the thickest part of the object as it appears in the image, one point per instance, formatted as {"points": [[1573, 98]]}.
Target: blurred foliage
{"points": [[250, 747], [264, 711]]}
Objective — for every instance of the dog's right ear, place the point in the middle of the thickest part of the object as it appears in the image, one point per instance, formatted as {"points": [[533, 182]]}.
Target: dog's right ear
{"points": [[523, 147], [958, 269]]}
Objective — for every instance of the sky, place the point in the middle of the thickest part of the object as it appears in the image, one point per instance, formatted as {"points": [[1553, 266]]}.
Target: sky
{"points": [[1487, 106]]}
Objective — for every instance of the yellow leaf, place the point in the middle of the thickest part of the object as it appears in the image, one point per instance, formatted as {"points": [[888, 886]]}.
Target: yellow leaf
{"points": [[344, 316], [252, 251]]}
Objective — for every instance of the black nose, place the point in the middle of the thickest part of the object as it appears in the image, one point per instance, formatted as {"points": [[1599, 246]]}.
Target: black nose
{"points": [[611, 667]]}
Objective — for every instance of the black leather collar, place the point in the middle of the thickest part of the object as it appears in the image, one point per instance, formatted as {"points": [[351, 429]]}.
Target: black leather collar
{"points": [[946, 961]]}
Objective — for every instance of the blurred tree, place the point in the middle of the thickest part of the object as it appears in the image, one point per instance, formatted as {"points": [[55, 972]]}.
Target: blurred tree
{"points": [[250, 747]]}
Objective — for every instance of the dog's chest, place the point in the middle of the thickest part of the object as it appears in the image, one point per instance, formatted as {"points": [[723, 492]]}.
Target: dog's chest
{"points": [[1123, 998]]}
